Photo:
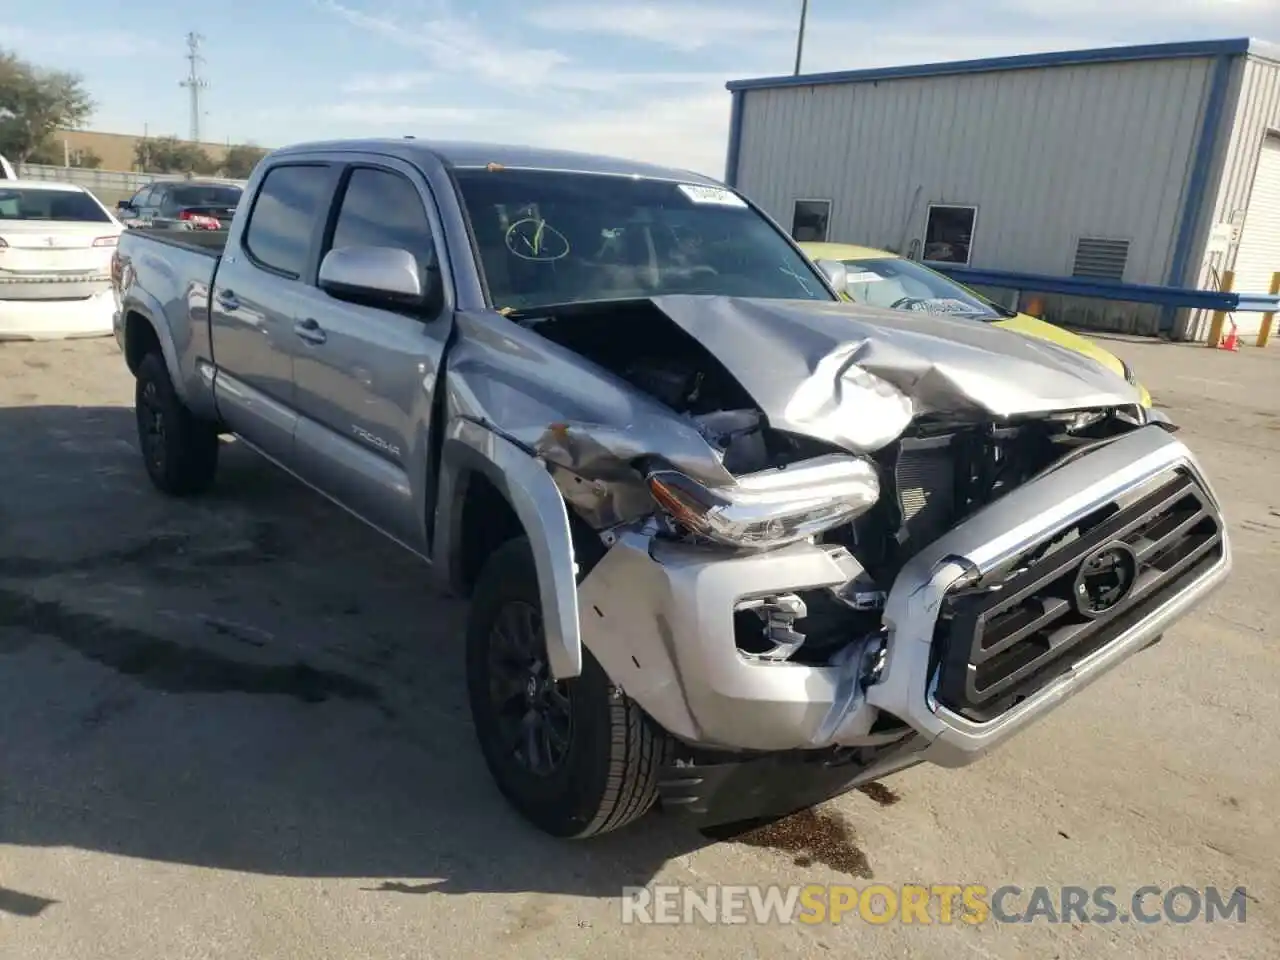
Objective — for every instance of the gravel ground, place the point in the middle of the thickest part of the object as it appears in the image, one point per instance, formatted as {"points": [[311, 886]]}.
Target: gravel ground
{"points": [[236, 728]]}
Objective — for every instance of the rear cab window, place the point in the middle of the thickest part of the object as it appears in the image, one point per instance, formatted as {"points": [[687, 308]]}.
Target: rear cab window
{"points": [[286, 211]]}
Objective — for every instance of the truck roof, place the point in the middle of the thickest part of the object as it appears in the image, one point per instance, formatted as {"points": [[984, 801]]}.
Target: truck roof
{"points": [[469, 154]]}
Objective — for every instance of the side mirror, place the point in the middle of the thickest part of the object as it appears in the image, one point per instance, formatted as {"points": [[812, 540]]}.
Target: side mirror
{"points": [[124, 205], [836, 274], [385, 275]]}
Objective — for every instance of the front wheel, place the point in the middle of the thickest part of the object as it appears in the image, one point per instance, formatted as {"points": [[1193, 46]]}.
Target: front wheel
{"points": [[576, 758]]}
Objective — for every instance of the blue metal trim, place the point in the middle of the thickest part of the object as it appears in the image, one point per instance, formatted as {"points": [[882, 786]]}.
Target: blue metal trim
{"points": [[1257, 303], [1153, 51], [1201, 162], [735, 140], [1110, 290]]}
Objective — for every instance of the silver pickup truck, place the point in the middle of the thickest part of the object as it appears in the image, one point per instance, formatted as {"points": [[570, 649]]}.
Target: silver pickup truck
{"points": [[732, 545]]}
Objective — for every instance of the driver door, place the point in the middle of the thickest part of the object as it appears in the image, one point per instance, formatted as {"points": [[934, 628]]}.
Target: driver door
{"points": [[364, 375], [132, 215]]}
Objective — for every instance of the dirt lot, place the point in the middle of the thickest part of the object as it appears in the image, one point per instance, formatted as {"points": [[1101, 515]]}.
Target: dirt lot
{"points": [[237, 729]]}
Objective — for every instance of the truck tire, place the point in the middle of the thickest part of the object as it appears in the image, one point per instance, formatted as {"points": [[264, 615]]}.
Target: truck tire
{"points": [[576, 758], [179, 449]]}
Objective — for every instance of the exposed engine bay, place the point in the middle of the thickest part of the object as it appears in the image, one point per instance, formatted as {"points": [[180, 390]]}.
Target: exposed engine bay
{"points": [[636, 342], [939, 471]]}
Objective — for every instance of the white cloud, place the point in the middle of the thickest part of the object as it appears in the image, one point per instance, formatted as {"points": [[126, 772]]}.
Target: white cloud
{"points": [[451, 42], [385, 84], [378, 114], [1153, 11], [678, 115], [686, 132], [840, 50], [684, 26], [570, 78], [72, 45]]}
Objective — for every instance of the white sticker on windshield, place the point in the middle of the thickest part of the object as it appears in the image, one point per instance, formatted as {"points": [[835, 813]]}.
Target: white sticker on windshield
{"points": [[867, 277], [719, 196]]}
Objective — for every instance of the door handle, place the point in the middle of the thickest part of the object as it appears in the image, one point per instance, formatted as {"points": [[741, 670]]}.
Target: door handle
{"points": [[310, 330], [228, 300]]}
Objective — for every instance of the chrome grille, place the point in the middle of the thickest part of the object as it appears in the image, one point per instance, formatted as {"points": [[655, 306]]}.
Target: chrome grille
{"points": [[1001, 642]]}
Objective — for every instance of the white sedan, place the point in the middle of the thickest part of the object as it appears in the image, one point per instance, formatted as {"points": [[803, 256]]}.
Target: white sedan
{"points": [[56, 245]]}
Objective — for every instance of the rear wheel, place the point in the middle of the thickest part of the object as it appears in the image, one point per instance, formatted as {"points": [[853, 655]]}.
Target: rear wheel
{"points": [[179, 449], [576, 758]]}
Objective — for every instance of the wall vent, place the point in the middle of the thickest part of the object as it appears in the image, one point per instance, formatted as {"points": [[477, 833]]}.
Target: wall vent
{"points": [[1100, 259]]}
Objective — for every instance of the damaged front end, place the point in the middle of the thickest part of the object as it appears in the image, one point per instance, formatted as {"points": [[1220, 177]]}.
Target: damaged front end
{"points": [[786, 493]]}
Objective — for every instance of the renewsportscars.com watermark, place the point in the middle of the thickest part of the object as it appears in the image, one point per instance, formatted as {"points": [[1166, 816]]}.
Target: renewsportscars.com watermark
{"points": [[922, 905]]}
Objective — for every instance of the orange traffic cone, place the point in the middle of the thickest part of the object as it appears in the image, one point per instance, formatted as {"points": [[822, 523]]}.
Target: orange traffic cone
{"points": [[1231, 341]]}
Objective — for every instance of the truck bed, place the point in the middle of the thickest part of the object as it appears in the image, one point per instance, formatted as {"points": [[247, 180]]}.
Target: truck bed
{"points": [[208, 242]]}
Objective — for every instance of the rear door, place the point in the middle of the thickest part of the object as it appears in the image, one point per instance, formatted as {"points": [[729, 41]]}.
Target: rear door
{"points": [[132, 215], [258, 290], [149, 208], [364, 376]]}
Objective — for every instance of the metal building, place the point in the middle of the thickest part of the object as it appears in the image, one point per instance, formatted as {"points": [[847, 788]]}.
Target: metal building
{"points": [[1151, 165]]}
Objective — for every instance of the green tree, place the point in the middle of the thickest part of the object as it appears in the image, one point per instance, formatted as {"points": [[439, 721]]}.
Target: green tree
{"points": [[51, 152], [171, 155], [48, 153], [86, 158], [241, 159], [35, 102]]}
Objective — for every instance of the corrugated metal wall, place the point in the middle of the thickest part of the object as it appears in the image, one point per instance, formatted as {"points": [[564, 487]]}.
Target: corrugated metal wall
{"points": [[1257, 112], [1047, 155]]}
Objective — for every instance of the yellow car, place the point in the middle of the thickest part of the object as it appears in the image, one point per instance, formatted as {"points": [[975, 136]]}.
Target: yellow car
{"points": [[882, 279]]}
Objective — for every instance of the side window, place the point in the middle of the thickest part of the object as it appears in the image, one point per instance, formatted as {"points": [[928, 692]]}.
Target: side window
{"points": [[285, 211], [948, 233], [809, 220], [165, 200], [140, 198], [383, 209]]}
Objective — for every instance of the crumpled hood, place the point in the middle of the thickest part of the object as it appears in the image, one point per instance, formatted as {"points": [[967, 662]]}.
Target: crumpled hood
{"points": [[855, 376]]}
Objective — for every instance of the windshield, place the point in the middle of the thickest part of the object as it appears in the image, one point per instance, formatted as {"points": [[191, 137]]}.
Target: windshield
{"points": [[205, 196], [35, 203], [907, 285], [548, 238]]}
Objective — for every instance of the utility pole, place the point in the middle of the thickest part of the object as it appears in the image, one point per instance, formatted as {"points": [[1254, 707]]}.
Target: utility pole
{"points": [[194, 82], [804, 15]]}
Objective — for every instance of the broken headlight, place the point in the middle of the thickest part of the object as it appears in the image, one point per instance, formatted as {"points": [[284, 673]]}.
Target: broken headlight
{"points": [[773, 507]]}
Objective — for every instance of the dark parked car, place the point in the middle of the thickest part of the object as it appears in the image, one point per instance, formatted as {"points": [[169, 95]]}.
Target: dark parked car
{"points": [[182, 204]]}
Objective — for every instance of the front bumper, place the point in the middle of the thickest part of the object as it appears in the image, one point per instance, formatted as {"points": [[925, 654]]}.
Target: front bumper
{"points": [[659, 618]]}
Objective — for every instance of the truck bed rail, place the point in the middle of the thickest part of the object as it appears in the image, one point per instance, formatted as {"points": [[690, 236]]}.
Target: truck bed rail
{"points": [[209, 242]]}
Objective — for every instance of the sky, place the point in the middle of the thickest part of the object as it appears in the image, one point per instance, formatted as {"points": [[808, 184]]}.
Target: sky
{"points": [[636, 78]]}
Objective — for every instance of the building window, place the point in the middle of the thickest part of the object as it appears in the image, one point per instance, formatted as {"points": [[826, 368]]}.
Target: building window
{"points": [[948, 233], [1100, 258], [809, 221]]}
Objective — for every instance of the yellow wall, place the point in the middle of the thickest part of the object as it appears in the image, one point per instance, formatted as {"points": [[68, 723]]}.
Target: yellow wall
{"points": [[115, 149]]}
